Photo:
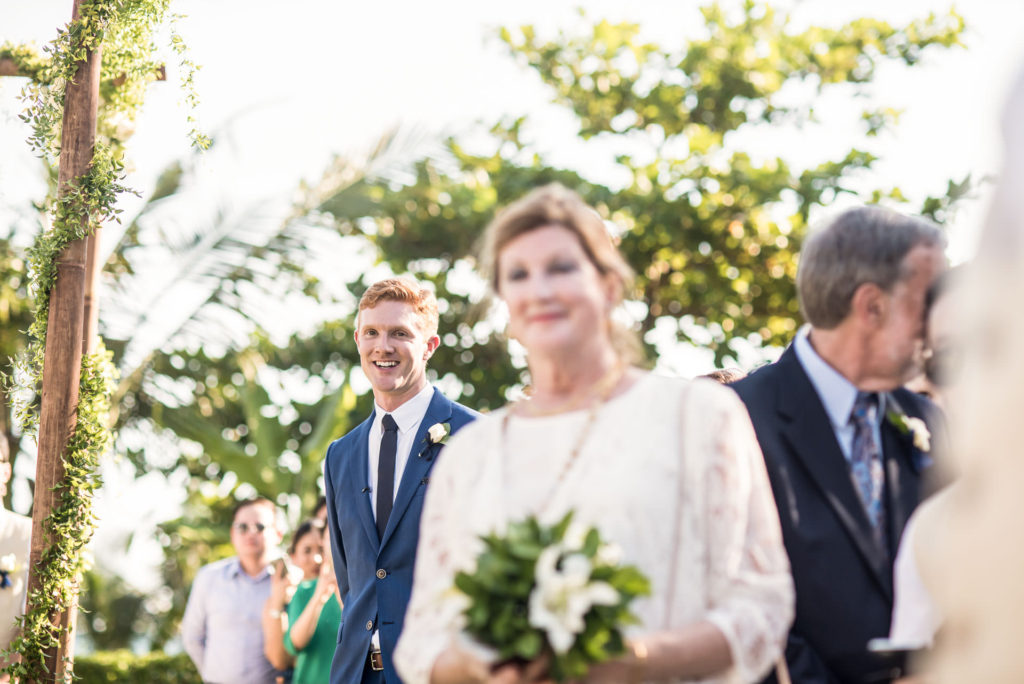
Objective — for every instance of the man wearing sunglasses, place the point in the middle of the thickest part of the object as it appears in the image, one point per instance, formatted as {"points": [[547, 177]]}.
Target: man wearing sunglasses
{"points": [[221, 629]]}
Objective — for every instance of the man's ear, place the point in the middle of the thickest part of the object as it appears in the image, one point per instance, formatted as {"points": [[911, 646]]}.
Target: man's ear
{"points": [[432, 344], [870, 304]]}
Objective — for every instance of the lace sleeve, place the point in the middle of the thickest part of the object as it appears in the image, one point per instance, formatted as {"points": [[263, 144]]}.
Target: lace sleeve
{"points": [[750, 588], [434, 615]]}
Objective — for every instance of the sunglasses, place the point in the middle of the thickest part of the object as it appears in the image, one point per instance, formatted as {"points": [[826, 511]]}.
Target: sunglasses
{"points": [[243, 528]]}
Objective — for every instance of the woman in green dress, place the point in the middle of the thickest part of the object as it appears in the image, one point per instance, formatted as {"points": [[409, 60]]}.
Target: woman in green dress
{"points": [[314, 616]]}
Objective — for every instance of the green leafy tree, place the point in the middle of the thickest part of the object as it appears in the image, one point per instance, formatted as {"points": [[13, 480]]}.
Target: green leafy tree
{"points": [[712, 233]]}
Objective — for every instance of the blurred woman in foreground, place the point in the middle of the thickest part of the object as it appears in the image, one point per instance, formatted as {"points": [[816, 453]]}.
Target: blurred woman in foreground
{"points": [[666, 469]]}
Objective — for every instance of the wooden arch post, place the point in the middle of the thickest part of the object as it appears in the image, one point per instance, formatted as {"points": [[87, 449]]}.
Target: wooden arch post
{"points": [[69, 334]]}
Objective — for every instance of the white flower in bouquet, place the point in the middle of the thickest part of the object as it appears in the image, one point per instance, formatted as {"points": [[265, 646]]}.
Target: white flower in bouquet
{"points": [[609, 554], [575, 537], [564, 595], [555, 591]]}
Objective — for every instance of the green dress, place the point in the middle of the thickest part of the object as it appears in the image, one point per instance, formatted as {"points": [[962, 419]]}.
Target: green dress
{"points": [[313, 663]]}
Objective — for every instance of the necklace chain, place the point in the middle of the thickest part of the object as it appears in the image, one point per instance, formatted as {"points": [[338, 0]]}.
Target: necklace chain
{"points": [[605, 387]]}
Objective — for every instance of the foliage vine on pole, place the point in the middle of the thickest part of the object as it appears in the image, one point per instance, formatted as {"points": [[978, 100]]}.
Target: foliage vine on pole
{"points": [[126, 30]]}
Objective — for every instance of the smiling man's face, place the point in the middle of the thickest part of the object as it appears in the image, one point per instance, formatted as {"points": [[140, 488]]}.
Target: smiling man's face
{"points": [[393, 351]]}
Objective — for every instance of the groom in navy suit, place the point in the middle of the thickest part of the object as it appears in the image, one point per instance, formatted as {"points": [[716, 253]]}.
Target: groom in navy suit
{"points": [[377, 474], [844, 444]]}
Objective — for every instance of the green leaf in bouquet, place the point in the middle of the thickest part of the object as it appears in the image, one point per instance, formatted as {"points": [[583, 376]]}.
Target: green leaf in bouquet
{"points": [[525, 531], [595, 643], [525, 549], [590, 544], [508, 626], [616, 644], [569, 666], [630, 581], [478, 615], [561, 527], [528, 645], [468, 585], [493, 568]]}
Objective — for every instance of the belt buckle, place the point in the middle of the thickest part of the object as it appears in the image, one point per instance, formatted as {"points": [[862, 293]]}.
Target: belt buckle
{"points": [[376, 660]]}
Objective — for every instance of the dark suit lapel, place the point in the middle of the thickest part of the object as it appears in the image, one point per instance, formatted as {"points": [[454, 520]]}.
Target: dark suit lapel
{"points": [[808, 430], [901, 478], [358, 481], [421, 458]]}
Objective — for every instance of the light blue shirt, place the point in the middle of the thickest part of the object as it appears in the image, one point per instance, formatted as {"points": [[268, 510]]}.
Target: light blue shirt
{"points": [[222, 630], [837, 394]]}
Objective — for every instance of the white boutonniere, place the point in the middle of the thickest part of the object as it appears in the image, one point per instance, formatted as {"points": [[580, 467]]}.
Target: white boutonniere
{"points": [[438, 433], [915, 427]]}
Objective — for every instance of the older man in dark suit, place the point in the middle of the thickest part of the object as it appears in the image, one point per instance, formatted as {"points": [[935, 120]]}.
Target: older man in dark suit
{"points": [[844, 444]]}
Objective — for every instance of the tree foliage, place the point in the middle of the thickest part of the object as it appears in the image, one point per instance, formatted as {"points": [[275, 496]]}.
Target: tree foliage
{"points": [[711, 231]]}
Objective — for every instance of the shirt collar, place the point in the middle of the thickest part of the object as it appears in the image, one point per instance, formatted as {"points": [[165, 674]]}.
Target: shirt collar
{"points": [[836, 392], [410, 413], [235, 570]]}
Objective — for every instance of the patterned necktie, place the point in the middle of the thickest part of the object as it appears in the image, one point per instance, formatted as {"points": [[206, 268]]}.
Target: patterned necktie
{"points": [[386, 472], [866, 463]]}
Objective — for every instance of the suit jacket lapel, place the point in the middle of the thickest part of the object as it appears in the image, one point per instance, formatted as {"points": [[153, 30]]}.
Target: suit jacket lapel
{"points": [[359, 478], [808, 430], [901, 490], [418, 464]]}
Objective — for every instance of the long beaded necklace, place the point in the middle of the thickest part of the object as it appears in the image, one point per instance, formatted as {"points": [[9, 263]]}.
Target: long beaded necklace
{"points": [[604, 388]]}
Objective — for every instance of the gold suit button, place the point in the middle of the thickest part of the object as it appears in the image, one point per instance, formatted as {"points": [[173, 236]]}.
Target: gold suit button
{"points": [[382, 573], [369, 625]]}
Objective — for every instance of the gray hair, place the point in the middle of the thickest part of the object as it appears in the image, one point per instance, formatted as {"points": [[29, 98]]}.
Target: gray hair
{"points": [[862, 245]]}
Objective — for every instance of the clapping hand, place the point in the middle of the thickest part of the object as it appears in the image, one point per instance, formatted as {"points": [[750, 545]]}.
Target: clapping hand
{"points": [[281, 585], [326, 584]]}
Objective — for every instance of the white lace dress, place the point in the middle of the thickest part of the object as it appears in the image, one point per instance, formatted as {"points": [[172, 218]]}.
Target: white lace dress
{"points": [[730, 567]]}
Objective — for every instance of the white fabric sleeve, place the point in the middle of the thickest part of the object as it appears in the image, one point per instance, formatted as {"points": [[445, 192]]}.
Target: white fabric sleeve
{"points": [[434, 616], [750, 588]]}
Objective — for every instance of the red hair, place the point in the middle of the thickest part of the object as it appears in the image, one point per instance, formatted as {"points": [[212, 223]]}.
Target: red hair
{"points": [[423, 301]]}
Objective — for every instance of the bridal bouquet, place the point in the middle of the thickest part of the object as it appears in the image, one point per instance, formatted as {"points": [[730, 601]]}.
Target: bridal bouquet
{"points": [[557, 591]]}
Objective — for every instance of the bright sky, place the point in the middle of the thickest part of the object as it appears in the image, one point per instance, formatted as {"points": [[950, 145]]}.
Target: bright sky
{"points": [[294, 83]]}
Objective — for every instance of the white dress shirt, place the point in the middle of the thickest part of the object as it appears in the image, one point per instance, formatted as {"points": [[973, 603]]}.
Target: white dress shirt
{"points": [[408, 416], [837, 394]]}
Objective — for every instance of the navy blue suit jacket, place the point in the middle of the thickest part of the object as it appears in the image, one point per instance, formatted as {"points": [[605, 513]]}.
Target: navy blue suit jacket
{"points": [[843, 577], [375, 574]]}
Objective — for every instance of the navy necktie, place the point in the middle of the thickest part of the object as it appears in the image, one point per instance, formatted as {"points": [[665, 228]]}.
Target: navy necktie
{"points": [[386, 472], [866, 463]]}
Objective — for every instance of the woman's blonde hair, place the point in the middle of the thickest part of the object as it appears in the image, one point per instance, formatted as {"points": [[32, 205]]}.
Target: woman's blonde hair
{"points": [[556, 205]]}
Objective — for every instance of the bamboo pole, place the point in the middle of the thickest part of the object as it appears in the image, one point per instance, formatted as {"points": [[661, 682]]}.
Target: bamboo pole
{"points": [[65, 341]]}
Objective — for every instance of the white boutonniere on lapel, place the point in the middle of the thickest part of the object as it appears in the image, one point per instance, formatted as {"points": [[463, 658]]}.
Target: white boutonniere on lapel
{"points": [[915, 427], [437, 435]]}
